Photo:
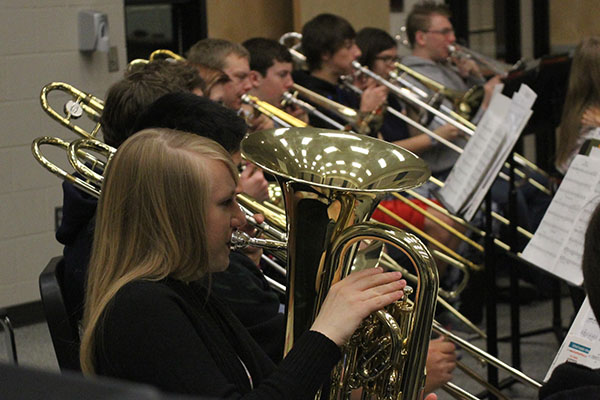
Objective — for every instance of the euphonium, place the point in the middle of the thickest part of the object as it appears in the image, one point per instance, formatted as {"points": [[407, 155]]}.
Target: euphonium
{"points": [[331, 183]]}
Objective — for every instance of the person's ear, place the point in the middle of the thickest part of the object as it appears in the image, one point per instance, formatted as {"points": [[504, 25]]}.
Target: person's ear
{"points": [[420, 38], [255, 78]]}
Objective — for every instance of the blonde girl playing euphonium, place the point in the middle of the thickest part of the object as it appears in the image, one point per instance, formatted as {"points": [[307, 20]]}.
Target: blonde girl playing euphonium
{"points": [[165, 219]]}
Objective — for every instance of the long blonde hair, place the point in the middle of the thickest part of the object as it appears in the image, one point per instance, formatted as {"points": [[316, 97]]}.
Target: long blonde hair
{"points": [[583, 91], [151, 219]]}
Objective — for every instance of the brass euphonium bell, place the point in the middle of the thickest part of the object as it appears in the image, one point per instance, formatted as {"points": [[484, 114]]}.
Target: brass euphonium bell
{"points": [[331, 182]]}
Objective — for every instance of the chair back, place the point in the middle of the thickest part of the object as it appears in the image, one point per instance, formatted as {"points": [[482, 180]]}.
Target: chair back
{"points": [[9, 337]]}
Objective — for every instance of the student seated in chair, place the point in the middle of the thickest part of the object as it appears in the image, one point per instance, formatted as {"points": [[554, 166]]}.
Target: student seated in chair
{"points": [[165, 219]]}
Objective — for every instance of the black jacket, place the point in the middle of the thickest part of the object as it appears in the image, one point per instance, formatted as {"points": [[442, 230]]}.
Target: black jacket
{"points": [[76, 233], [573, 382]]}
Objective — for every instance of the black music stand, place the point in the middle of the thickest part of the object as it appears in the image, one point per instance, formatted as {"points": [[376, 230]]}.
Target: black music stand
{"points": [[548, 77]]}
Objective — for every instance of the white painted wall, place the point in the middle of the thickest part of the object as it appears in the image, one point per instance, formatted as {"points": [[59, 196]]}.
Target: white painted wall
{"points": [[38, 44]]}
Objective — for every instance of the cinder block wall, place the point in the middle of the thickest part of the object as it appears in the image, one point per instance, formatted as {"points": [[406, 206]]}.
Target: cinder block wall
{"points": [[38, 44]]}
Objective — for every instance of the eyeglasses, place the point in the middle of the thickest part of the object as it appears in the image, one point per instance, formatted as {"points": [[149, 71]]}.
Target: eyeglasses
{"points": [[445, 31], [388, 59]]}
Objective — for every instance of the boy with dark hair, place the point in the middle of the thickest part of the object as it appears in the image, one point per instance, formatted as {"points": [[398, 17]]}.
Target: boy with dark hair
{"points": [[124, 101], [126, 98], [329, 47], [271, 73], [325, 35], [190, 113], [264, 53]]}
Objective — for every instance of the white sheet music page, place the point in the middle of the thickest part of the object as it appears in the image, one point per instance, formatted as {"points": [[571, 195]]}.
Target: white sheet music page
{"points": [[582, 343], [486, 151], [517, 116], [468, 169], [557, 245]]}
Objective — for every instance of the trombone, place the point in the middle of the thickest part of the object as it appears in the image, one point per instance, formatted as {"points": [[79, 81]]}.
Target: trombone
{"points": [[462, 101], [80, 103], [407, 95], [439, 183], [277, 115], [490, 64], [411, 94], [413, 99], [160, 54]]}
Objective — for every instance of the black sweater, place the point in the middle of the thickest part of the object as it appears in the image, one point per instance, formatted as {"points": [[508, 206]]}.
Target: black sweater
{"points": [[392, 129], [570, 381], [176, 337], [243, 287], [76, 232]]}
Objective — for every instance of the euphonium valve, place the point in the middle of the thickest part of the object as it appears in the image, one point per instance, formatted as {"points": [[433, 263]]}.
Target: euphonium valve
{"points": [[331, 183]]}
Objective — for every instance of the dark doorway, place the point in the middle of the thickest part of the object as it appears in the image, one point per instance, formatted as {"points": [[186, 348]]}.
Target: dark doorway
{"points": [[163, 24]]}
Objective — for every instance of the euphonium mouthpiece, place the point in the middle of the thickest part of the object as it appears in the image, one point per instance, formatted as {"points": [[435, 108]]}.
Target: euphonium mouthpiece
{"points": [[241, 240]]}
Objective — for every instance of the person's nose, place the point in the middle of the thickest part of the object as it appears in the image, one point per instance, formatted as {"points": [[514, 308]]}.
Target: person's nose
{"points": [[357, 52], [246, 85], [451, 38], [238, 219], [390, 67], [289, 82]]}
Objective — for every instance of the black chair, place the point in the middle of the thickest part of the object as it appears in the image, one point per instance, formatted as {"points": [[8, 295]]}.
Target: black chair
{"points": [[19, 383], [64, 328], [9, 337]]}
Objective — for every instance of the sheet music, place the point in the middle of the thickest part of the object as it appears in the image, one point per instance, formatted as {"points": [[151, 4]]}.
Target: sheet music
{"points": [[582, 343], [486, 151], [557, 245], [517, 116], [458, 187], [595, 152]]}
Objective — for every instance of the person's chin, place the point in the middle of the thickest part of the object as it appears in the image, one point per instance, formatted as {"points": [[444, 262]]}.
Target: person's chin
{"points": [[222, 265]]}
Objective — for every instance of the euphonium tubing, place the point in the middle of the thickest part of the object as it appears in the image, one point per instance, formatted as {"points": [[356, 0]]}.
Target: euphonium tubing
{"points": [[332, 181]]}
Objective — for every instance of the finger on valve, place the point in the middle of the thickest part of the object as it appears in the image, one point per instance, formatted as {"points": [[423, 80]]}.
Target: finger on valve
{"points": [[353, 298]]}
